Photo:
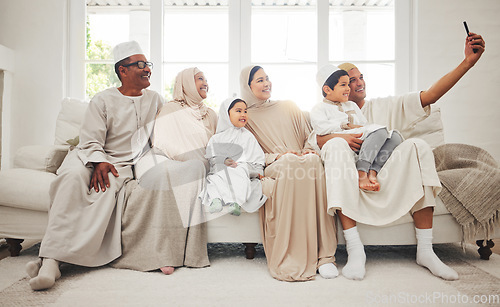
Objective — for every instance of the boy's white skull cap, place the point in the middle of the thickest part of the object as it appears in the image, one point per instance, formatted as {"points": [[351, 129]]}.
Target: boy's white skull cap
{"points": [[325, 72]]}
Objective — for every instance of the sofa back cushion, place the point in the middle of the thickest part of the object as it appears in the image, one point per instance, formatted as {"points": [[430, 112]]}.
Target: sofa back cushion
{"points": [[430, 129], [69, 120]]}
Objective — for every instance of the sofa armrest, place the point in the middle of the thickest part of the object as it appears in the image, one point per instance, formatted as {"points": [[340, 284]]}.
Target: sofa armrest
{"points": [[45, 158]]}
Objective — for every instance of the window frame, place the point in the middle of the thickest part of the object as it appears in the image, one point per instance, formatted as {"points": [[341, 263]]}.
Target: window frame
{"points": [[239, 18]]}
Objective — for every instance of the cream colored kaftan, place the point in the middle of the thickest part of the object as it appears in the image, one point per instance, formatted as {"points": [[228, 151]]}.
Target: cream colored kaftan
{"points": [[408, 180], [163, 221], [298, 235], [84, 226]]}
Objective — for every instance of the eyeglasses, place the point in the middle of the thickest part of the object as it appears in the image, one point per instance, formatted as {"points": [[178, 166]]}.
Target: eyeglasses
{"points": [[140, 64]]}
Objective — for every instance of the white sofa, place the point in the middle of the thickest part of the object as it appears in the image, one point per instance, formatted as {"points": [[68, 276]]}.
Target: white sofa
{"points": [[24, 197]]}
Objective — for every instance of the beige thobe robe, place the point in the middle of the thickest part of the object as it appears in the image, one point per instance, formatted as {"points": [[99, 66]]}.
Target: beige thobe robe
{"points": [[408, 180], [84, 226]]}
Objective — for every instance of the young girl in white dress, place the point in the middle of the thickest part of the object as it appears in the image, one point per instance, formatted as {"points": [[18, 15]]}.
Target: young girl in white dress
{"points": [[236, 163], [335, 114]]}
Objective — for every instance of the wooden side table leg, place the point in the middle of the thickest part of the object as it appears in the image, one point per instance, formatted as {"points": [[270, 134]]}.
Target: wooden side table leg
{"points": [[14, 246], [250, 250]]}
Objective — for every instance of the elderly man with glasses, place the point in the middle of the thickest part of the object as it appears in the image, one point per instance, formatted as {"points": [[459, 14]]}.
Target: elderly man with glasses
{"points": [[85, 220]]}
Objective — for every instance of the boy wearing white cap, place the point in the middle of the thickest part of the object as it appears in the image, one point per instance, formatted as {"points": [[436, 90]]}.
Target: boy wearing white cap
{"points": [[335, 114], [85, 221], [414, 162]]}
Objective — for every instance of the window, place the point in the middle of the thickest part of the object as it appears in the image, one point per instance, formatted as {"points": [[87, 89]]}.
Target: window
{"points": [[220, 37], [106, 28], [284, 41], [197, 36], [365, 36]]}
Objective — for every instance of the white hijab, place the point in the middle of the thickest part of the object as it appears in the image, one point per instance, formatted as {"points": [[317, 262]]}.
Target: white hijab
{"points": [[233, 142]]}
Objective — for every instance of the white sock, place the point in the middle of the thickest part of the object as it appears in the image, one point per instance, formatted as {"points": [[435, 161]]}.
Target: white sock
{"points": [[328, 270], [427, 258], [356, 257], [33, 267], [49, 272]]}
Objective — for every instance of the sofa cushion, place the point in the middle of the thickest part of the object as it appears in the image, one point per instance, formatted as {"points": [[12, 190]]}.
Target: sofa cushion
{"points": [[430, 129], [69, 120], [25, 188], [46, 158]]}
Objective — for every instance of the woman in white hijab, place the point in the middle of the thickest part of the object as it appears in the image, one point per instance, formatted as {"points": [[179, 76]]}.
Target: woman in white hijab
{"points": [[167, 229], [236, 163], [298, 235]]}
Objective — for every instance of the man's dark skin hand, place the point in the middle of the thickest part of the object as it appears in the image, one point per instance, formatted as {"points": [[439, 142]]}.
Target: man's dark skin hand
{"points": [[100, 176]]}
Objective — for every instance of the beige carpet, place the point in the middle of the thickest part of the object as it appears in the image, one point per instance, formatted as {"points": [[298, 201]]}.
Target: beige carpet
{"points": [[393, 278]]}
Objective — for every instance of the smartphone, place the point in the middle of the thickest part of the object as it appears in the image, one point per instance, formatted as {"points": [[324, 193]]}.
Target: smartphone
{"points": [[468, 33]]}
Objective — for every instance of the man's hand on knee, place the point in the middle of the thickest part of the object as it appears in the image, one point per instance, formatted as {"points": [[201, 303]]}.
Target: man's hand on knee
{"points": [[100, 176]]}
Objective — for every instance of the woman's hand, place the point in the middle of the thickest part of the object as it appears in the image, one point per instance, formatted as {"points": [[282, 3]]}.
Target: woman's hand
{"points": [[290, 151], [230, 162]]}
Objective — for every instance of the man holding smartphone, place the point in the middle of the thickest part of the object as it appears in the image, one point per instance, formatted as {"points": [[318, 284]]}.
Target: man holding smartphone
{"points": [[398, 112]]}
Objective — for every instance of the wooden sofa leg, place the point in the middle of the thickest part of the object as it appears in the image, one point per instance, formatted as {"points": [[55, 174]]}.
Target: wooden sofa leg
{"points": [[485, 251], [250, 250], [14, 246]]}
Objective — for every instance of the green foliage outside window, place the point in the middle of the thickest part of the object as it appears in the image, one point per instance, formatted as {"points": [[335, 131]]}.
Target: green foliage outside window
{"points": [[99, 76]]}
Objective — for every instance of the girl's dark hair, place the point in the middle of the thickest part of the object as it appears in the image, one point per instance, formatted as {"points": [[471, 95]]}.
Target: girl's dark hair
{"points": [[252, 73], [235, 102], [334, 79]]}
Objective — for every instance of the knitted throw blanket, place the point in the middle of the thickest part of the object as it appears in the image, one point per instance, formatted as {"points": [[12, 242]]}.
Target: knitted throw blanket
{"points": [[471, 187]]}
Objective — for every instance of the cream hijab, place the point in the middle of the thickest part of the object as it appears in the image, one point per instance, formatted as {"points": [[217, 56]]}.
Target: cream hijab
{"points": [[184, 125], [279, 126], [246, 92], [185, 92]]}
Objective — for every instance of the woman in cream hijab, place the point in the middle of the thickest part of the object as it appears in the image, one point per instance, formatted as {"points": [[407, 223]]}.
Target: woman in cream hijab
{"points": [[298, 235], [175, 169]]}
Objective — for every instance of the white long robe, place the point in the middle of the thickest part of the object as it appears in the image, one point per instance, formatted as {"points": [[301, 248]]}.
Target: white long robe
{"points": [[408, 180], [84, 226], [240, 184], [327, 118]]}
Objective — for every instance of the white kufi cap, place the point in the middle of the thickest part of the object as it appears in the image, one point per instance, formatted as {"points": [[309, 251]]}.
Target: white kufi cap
{"points": [[325, 72], [124, 50]]}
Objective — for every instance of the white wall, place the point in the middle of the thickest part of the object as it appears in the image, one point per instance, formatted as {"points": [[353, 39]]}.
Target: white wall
{"points": [[471, 110], [7, 66], [34, 30]]}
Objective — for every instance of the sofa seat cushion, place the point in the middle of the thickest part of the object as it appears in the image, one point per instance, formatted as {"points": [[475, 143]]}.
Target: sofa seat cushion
{"points": [[25, 188]]}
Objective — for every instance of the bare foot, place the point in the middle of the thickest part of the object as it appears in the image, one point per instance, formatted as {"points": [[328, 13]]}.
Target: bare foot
{"points": [[167, 270], [365, 183], [372, 176]]}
